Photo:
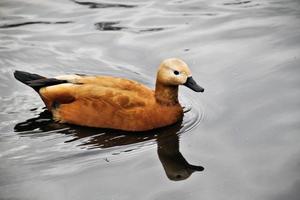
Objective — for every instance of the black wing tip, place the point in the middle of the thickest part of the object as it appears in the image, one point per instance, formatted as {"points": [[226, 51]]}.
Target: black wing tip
{"points": [[36, 81]]}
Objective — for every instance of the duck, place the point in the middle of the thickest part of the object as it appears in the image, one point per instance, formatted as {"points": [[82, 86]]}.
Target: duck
{"points": [[114, 102]]}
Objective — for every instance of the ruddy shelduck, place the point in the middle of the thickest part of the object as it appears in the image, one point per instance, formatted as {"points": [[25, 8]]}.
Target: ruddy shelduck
{"points": [[117, 103]]}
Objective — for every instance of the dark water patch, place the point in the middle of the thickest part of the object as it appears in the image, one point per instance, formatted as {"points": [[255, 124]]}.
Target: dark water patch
{"points": [[94, 5], [109, 26], [236, 3], [31, 23], [151, 29], [114, 26], [251, 6]]}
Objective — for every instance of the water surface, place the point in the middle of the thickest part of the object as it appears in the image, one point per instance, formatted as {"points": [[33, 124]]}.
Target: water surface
{"points": [[238, 140]]}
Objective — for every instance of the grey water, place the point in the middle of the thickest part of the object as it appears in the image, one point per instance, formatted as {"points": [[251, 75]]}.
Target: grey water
{"points": [[238, 140]]}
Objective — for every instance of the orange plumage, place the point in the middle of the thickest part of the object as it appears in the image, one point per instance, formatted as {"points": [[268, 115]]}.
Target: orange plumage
{"points": [[110, 102]]}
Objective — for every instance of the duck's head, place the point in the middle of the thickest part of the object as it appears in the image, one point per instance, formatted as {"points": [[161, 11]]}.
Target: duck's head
{"points": [[174, 71]]}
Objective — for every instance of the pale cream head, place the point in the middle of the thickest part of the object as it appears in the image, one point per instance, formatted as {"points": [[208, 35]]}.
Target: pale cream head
{"points": [[173, 71]]}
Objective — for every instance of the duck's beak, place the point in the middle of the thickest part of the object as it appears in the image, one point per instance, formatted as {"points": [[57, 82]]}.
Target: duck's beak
{"points": [[191, 83]]}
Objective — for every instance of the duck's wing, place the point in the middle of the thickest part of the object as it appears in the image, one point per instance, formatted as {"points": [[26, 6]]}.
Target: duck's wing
{"points": [[117, 91], [94, 105]]}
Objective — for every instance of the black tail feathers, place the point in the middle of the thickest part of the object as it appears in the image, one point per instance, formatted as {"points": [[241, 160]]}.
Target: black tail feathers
{"points": [[26, 77], [36, 81]]}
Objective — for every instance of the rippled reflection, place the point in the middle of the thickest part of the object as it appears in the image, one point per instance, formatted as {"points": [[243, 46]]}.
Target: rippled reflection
{"points": [[175, 165], [31, 23], [108, 26], [237, 3], [167, 139], [114, 26], [103, 5]]}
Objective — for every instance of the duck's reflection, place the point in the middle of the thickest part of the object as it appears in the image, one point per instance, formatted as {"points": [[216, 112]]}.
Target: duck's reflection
{"points": [[175, 165], [167, 139]]}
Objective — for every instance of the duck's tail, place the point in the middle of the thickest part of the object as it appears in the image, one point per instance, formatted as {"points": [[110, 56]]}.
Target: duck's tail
{"points": [[36, 81], [26, 77]]}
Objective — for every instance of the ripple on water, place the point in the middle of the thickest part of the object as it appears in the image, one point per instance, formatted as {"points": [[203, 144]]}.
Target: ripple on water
{"points": [[114, 26], [94, 5], [31, 23]]}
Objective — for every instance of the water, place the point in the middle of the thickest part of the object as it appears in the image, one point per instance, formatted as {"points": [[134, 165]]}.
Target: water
{"points": [[238, 140]]}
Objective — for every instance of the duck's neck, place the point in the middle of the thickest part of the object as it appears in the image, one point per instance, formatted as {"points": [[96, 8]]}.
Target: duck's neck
{"points": [[166, 94]]}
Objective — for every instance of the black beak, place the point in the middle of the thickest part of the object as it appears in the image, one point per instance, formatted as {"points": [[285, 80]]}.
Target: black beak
{"points": [[191, 83]]}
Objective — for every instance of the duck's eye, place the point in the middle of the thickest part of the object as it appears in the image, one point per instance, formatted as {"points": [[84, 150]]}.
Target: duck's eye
{"points": [[176, 72]]}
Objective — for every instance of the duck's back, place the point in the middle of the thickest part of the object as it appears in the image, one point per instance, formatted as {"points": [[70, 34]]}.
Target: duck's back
{"points": [[113, 83]]}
